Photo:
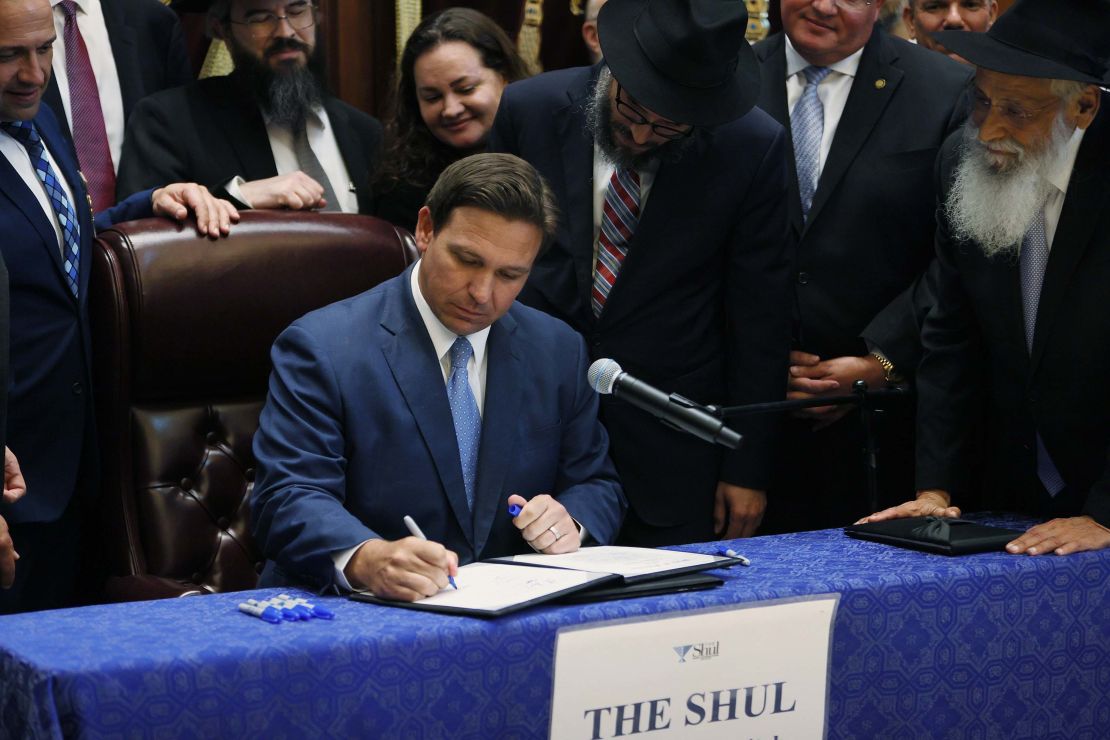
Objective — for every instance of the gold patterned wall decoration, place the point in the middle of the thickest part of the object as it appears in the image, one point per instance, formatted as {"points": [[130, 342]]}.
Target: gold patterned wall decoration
{"points": [[759, 24], [407, 16], [528, 41]]}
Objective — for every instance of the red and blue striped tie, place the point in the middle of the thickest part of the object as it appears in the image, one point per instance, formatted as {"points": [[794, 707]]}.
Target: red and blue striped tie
{"points": [[90, 136], [619, 217]]}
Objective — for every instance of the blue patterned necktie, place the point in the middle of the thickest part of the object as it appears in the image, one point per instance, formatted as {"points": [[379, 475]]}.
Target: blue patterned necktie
{"points": [[25, 133], [1034, 260], [807, 125], [464, 410]]}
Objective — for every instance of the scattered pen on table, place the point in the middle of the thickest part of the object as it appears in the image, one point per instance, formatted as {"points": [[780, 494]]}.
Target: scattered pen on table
{"points": [[414, 530], [728, 552]]}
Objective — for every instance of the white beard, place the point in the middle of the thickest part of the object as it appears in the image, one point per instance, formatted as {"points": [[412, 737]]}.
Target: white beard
{"points": [[993, 202]]}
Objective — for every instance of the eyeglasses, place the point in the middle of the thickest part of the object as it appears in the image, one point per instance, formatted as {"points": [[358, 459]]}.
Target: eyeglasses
{"points": [[1013, 114], [264, 24], [853, 6], [634, 115]]}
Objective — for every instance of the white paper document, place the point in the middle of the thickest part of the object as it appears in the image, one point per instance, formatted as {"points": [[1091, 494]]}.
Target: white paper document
{"points": [[630, 562], [495, 586]]}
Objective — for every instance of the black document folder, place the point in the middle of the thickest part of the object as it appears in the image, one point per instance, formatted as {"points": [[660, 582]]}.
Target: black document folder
{"points": [[936, 534]]}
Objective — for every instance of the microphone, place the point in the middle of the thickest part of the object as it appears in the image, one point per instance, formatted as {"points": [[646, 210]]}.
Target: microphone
{"points": [[605, 376]]}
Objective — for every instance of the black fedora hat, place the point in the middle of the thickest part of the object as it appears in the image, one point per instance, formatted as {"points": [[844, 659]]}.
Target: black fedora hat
{"points": [[686, 60], [1053, 39]]}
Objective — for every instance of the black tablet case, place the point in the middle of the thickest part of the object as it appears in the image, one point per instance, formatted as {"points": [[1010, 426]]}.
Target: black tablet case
{"points": [[936, 534]]}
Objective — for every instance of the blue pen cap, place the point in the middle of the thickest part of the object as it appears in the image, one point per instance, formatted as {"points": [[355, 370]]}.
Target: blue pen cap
{"points": [[514, 510]]}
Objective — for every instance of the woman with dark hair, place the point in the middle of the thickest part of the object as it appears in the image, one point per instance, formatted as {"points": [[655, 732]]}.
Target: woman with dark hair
{"points": [[446, 92]]}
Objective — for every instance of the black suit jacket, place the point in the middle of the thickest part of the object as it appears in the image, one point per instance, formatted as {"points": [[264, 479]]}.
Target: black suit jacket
{"points": [[869, 235], [701, 304], [149, 50], [975, 352], [212, 130]]}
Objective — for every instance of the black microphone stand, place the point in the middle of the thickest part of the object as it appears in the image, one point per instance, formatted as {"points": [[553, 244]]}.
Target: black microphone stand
{"points": [[861, 396]]}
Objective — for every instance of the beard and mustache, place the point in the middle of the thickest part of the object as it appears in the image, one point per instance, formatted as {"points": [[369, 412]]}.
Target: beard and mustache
{"points": [[288, 93], [601, 127], [993, 201]]}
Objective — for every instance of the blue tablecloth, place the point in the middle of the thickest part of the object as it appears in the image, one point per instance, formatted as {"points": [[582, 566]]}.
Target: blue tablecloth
{"points": [[923, 646]]}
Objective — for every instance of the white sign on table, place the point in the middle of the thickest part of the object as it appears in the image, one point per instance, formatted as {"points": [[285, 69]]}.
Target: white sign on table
{"points": [[751, 671]]}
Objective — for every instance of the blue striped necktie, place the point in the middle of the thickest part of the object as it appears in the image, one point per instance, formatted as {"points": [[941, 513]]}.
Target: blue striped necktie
{"points": [[1034, 261], [464, 411], [807, 126], [25, 133]]}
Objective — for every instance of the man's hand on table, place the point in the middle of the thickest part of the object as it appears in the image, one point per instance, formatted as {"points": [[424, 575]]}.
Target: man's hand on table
{"points": [[546, 525], [928, 503], [1062, 537]]}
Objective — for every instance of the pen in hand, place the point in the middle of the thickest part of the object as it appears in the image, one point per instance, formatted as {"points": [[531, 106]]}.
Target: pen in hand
{"points": [[414, 530]]}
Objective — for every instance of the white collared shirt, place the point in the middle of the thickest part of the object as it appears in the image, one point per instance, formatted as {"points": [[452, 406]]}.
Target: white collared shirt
{"points": [[321, 139], [442, 339], [20, 159], [833, 91], [603, 172], [1060, 177], [90, 22]]}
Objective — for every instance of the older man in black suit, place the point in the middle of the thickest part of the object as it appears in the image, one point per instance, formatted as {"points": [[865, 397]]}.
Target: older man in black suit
{"points": [[670, 255], [867, 113], [266, 136], [1020, 325]]}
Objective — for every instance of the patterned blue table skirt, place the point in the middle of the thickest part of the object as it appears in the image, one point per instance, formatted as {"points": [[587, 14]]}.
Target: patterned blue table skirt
{"points": [[925, 646]]}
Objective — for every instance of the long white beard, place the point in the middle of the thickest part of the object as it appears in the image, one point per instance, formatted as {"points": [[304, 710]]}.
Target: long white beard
{"points": [[993, 204]]}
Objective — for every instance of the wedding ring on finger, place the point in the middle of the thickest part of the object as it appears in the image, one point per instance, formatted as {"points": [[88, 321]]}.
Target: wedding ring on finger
{"points": [[555, 532]]}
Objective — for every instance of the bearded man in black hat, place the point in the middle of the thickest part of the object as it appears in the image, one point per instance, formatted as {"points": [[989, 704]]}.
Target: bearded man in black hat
{"points": [[1020, 325], [268, 135], [670, 256]]}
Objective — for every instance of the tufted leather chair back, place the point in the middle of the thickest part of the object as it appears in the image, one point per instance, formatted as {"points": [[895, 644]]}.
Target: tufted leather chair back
{"points": [[182, 328]]}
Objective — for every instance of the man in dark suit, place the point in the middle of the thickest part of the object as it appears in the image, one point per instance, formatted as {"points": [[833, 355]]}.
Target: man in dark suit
{"points": [[867, 113], [700, 306], [109, 55], [1020, 327], [48, 230], [14, 484], [268, 135], [359, 429]]}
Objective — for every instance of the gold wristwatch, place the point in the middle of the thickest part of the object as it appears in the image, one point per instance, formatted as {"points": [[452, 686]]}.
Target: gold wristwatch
{"points": [[891, 376]]}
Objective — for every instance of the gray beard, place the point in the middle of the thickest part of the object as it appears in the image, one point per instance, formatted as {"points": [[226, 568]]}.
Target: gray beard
{"points": [[994, 207]]}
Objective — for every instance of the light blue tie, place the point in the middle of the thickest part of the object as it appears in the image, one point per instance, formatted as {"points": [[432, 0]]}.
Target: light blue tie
{"points": [[464, 410], [1034, 260], [807, 125], [26, 134]]}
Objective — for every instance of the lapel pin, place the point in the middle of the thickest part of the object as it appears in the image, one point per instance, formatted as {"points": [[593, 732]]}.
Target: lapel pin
{"points": [[880, 83]]}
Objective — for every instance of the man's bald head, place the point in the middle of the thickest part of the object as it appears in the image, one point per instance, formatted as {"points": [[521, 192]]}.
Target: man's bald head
{"points": [[26, 52]]}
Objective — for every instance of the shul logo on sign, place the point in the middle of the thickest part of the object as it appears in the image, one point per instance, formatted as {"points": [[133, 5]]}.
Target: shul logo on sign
{"points": [[698, 651]]}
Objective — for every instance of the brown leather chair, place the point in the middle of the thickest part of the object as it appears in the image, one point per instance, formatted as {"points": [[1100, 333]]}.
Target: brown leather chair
{"points": [[182, 328]]}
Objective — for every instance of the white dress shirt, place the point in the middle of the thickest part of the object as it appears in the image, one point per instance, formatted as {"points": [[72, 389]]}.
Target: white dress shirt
{"points": [[20, 159], [833, 91], [90, 22], [1060, 177], [442, 339], [321, 139], [603, 172]]}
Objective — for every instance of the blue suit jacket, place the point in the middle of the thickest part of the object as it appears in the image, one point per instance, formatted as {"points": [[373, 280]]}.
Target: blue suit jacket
{"points": [[50, 422], [357, 432], [702, 303]]}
